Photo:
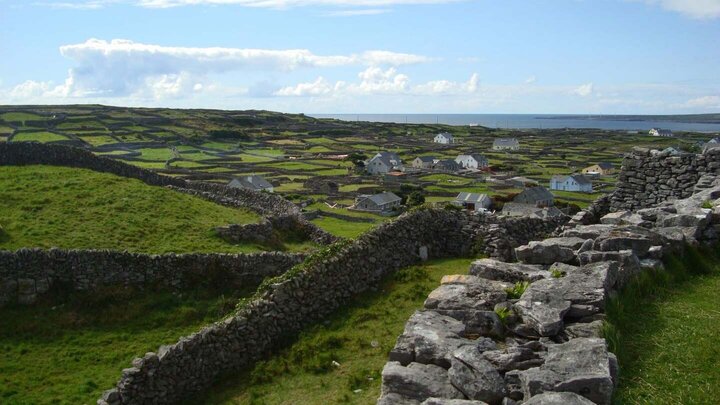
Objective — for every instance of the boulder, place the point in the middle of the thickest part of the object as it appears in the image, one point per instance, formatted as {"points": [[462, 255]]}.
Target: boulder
{"points": [[582, 366], [583, 330], [417, 381], [511, 272], [513, 358], [475, 377], [623, 240], [558, 398], [467, 293], [615, 218], [549, 250], [396, 399], [581, 293], [629, 263], [588, 231], [429, 338]]}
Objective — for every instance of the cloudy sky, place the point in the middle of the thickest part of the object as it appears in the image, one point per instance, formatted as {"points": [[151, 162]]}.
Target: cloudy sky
{"points": [[366, 56]]}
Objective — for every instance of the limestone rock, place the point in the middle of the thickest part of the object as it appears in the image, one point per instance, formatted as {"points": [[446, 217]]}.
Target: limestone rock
{"points": [[476, 377], [417, 381], [510, 272], [549, 250], [443, 401], [558, 398], [582, 366], [429, 338]]}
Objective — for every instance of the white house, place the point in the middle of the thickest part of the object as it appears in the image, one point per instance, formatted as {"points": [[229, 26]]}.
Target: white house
{"points": [[383, 162], [661, 132], [506, 144], [473, 201], [379, 203], [444, 138], [472, 161], [574, 182], [253, 182]]}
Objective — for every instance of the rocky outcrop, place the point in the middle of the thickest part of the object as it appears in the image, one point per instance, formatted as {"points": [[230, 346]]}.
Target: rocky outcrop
{"points": [[549, 349]]}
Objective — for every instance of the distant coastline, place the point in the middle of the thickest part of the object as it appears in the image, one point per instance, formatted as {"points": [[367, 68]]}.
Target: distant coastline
{"points": [[709, 123]]}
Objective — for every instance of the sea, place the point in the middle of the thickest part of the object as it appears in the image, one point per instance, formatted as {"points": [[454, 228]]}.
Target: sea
{"points": [[529, 121]]}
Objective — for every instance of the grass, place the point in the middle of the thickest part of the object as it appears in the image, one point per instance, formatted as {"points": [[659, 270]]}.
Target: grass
{"points": [[42, 136], [71, 353], [45, 206], [342, 228], [21, 117], [358, 337], [669, 354]]}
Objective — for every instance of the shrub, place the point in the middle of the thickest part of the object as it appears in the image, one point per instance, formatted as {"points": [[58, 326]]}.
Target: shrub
{"points": [[706, 204], [517, 290], [557, 273], [503, 313]]}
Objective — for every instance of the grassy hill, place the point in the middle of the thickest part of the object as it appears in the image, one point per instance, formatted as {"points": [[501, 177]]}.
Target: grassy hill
{"points": [[46, 206]]}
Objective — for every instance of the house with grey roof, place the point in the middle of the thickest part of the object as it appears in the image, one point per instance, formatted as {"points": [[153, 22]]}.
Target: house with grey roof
{"points": [[711, 144], [511, 144], [385, 202], [423, 162], [660, 132], [473, 201], [602, 168], [472, 161], [444, 138], [536, 196], [383, 162], [252, 182], [573, 182], [447, 166]]}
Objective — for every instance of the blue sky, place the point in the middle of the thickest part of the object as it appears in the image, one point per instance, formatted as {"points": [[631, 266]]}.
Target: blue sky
{"points": [[366, 56]]}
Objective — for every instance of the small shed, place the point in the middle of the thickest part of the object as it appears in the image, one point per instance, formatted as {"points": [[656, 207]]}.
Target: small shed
{"points": [[473, 201], [253, 182]]}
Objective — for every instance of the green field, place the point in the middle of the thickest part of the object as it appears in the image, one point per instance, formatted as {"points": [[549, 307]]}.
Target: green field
{"points": [[358, 337], [665, 328], [69, 353], [45, 206], [38, 137]]}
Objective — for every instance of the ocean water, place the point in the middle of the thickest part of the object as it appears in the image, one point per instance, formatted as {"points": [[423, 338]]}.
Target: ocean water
{"points": [[526, 121]]}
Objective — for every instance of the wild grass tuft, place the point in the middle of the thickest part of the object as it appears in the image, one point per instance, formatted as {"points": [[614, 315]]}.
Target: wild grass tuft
{"points": [[517, 290]]}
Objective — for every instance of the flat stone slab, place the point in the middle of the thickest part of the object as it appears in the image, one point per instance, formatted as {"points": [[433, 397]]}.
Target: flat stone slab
{"points": [[549, 250], [429, 338], [418, 381], [582, 366], [558, 398], [588, 231], [475, 377], [471, 293], [583, 292], [511, 272]]}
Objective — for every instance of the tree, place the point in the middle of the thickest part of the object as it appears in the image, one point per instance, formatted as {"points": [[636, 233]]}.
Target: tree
{"points": [[415, 198]]}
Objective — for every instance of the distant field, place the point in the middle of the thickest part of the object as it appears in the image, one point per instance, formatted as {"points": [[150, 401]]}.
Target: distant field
{"points": [[45, 206], [38, 137]]}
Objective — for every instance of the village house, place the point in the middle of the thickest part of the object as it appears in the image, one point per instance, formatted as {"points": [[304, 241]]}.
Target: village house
{"points": [[423, 162], [711, 144], [661, 132], [511, 144], [385, 202], [600, 169], [536, 196], [383, 162], [473, 201], [573, 182], [252, 182], [521, 182], [445, 138], [472, 161], [446, 165]]}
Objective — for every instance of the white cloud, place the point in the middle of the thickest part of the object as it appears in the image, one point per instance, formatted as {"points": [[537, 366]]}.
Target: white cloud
{"points": [[362, 11], [583, 90], [708, 102], [376, 81], [531, 80], [286, 3], [122, 67], [317, 88], [701, 9]]}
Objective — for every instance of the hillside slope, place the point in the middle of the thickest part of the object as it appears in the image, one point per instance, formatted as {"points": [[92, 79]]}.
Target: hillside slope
{"points": [[44, 206]]}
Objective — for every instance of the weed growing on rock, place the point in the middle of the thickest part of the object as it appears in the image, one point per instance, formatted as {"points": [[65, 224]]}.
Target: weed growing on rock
{"points": [[517, 290]]}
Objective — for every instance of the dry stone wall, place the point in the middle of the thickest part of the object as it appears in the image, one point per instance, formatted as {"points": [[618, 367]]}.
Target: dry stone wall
{"points": [[26, 274], [304, 295], [649, 177], [547, 348]]}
